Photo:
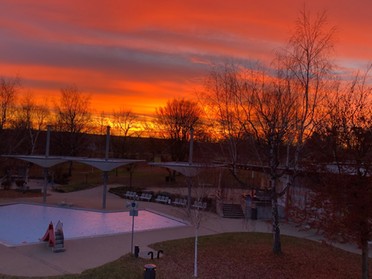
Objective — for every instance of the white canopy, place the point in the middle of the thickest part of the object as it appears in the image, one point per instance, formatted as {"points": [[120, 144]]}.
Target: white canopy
{"points": [[105, 164], [187, 169], [42, 161], [50, 161]]}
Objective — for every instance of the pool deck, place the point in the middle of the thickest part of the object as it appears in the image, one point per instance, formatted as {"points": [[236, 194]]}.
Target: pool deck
{"points": [[85, 253]]}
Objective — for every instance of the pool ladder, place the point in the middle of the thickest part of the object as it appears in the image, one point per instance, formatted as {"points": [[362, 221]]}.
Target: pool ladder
{"points": [[59, 245]]}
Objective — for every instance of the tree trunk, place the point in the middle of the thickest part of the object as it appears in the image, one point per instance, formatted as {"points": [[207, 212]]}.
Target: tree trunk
{"points": [[130, 178], [277, 246], [196, 252], [69, 169], [365, 259], [189, 185]]}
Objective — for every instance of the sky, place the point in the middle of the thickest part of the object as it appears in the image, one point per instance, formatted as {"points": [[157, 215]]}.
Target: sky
{"points": [[136, 55]]}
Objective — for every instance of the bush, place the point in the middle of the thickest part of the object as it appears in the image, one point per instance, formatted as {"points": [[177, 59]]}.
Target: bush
{"points": [[20, 183], [6, 184], [61, 178]]}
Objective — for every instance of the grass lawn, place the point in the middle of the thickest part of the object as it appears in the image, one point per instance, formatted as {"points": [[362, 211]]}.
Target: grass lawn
{"points": [[237, 255]]}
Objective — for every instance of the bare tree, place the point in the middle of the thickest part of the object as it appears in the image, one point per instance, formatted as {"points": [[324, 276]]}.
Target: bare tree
{"points": [[102, 123], [27, 123], [270, 110], [278, 106], [28, 120], [253, 106], [306, 66], [220, 99], [303, 71], [174, 122], [125, 122], [342, 193], [8, 91], [73, 117], [198, 213], [197, 216]]}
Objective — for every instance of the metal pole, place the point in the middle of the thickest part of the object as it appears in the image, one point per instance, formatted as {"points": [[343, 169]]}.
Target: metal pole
{"points": [[105, 173], [191, 147], [47, 142], [46, 169], [189, 185], [107, 142], [105, 178], [131, 245], [45, 184], [196, 252], [189, 179]]}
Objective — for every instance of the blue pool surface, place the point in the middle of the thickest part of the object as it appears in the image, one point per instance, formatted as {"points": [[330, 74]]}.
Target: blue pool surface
{"points": [[27, 223]]}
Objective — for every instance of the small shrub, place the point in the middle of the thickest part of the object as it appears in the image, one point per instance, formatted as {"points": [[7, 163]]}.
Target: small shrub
{"points": [[6, 184], [20, 183], [61, 178]]}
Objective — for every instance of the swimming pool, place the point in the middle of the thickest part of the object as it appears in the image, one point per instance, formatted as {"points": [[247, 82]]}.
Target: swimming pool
{"points": [[27, 223]]}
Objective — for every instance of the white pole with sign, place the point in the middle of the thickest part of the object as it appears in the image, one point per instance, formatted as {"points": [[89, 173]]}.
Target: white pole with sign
{"points": [[133, 212]]}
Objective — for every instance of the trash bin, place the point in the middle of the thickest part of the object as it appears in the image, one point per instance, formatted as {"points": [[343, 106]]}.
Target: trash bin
{"points": [[150, 271], [254, 213]]}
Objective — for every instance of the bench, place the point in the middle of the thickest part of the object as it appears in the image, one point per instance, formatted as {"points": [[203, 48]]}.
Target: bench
{"points": [[162, 199], [180, 202], [66, 204], [199, 205], [145, 196], [131, 195]]}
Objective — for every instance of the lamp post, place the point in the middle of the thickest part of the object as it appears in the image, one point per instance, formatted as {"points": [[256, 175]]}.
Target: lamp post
{"points": [[105, 173], [46, 169], [189, 179]]}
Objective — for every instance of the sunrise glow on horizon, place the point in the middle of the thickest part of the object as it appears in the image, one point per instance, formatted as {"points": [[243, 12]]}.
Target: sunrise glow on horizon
{"points": [[139, 54]]}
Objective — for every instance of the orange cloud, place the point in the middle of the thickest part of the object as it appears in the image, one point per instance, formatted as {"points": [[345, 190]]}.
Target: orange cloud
{"points": [[142, 53]]}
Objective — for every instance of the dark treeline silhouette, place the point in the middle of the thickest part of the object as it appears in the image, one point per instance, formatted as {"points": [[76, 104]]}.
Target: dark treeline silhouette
{"points": [[93, 145]]}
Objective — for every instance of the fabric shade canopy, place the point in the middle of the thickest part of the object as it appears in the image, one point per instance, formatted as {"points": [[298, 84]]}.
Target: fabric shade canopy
{"points": [[187, 169], [42, 161], [50, 161]]}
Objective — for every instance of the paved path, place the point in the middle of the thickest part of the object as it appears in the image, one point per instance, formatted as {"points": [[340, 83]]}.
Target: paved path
{"points": [[82, 254]]}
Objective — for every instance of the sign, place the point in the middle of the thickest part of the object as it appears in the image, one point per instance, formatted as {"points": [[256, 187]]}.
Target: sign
{"points": [[133, 206], [133, 212]]}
